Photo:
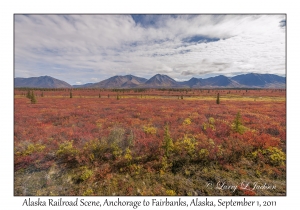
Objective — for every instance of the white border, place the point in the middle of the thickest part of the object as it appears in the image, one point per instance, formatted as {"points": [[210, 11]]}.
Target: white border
{"points": [[8, 8]]}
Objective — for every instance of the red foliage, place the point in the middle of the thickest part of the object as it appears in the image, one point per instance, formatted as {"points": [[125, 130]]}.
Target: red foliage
{"points": [[56, 118]]}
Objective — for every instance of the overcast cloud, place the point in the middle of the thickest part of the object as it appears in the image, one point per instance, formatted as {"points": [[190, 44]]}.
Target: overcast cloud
{"points": [[89, 48]]}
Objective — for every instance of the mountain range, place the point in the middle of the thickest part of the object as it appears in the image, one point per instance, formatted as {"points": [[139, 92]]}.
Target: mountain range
{"points": [[251, 80]]}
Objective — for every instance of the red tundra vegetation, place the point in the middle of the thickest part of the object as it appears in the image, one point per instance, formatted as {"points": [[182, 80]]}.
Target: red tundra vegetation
{"points": [[149, 142]]}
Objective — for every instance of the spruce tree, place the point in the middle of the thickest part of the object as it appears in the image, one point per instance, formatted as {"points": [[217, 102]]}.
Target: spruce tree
{"points": [[218, 99], [168, 142], [71, 95], [237, 123], [32, 98], [28, 95]]}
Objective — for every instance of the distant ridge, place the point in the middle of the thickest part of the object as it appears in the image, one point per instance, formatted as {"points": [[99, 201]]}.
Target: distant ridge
{"points": [[41, 82], [212, 82], [127, 81], [163, 81], [260, 80], [160, 81]]}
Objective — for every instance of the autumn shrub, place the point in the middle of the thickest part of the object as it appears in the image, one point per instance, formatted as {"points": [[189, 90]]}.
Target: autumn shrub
{"points": [[135, 169], [30, 155], [222, 129], [128, 156], [95, 150], [116, 135], [118, 139], [233, 149], [147, 146], [187, 121], [124, 162], [170, 193], [88, 192], [31, 148], [186, 147], [275, 156], [85, 174], [103, 171], [203, 155], [29, 162], [116, 150], [67, 153], [149, 129], [130, 138], [266, 140], [210, 124]]}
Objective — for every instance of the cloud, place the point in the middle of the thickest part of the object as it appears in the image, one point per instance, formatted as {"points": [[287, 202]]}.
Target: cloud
{"points": [[94, 79], [69, 47]]}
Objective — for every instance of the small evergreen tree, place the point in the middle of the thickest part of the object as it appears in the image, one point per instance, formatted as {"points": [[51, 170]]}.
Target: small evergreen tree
{"points": [[118, 97], [181, 96], [237, 123], [71, 95], [168, 142], [99, 95], [32, 98], [28, 95], [218, 99]]}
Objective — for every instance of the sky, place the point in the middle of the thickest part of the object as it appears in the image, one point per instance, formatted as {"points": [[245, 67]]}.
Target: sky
{"points": [[82, 49]]}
